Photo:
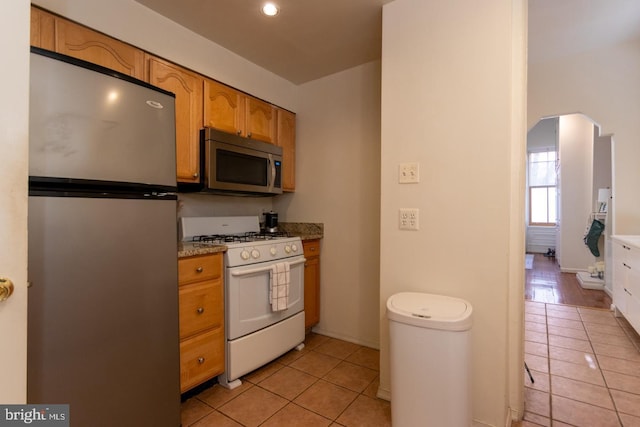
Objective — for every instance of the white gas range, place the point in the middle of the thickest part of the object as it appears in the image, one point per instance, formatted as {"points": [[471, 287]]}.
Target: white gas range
{"points": [[264, 290]]}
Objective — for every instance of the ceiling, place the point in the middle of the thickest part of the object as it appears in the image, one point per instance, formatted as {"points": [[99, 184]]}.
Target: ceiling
{"points": [[312, 39], [307, 40]]}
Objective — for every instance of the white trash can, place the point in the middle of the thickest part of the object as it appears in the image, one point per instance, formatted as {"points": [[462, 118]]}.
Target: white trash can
{"points": [[430, 360]]}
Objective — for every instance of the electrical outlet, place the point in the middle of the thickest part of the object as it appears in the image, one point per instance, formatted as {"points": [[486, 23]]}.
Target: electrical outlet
{"points": [[409, 219], [409, 173]]}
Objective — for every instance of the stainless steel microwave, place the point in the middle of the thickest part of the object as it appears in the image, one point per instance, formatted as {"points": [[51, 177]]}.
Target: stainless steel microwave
{"points": [[231, 164]]}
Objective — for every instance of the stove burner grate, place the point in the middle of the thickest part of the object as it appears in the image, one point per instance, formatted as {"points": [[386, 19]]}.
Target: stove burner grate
{"points": [[250, 236]]}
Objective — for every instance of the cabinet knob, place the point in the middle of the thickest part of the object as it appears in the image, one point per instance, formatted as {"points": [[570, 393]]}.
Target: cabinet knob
{"points": [[238, 132], [201, 360], [249, 134], [195, 175], [199, 270], [200, 310]]}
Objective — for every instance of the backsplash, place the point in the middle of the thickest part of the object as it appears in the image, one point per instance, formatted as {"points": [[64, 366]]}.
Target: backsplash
{"points": [[195, 204]]}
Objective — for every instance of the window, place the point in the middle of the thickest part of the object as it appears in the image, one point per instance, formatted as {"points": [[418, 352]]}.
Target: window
{"points": [[542, 188]]}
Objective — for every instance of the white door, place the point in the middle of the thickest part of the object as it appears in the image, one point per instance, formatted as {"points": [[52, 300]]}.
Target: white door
{"points": [[14, 137]]}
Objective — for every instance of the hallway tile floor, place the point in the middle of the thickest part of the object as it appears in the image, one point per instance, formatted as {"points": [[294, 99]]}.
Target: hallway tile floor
{"points": [[329, 383], [585, 364]]}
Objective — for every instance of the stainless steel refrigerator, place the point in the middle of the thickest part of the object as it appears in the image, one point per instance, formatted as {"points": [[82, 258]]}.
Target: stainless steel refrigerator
{"points": [[103, 297]]}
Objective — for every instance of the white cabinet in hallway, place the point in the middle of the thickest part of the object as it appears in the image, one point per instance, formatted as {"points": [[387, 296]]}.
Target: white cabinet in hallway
{"points": [[626, 278]]}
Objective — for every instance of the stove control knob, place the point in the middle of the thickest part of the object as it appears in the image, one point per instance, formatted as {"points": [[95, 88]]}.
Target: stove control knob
{"points": [[255, 254], [244, 254], [287, 249], [273, 251], [294, 247]]}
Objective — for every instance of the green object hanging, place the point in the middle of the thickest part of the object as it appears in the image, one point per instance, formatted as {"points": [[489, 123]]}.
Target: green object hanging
{"points": [[591, 239]]}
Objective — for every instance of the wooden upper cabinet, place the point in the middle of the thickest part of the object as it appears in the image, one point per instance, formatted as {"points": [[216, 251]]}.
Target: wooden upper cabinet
{"points": [[287, 140], [223, 108], [261, 120], [83, 43], [187, 86], [42, 29], [232, 111]]}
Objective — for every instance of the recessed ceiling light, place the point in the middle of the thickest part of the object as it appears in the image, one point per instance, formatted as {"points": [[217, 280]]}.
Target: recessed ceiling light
{"points": [[270, 9]]}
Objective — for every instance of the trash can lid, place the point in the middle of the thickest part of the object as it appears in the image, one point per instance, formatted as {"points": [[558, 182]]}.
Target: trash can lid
{"points": [[430, 311]]}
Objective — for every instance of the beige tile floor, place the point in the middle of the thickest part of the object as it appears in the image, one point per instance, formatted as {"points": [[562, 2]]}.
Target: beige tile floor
{"points": [[329, 383], [585, 365]]}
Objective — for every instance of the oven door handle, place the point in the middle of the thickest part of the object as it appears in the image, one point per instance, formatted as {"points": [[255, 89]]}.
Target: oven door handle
{"points": [[263, 269]]}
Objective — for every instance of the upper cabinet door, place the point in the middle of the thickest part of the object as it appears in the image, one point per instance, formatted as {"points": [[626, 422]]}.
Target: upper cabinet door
{"points": [[187, 86], [42, 29], [223, 108], [261, 120], [287, 140], [92, 46]]}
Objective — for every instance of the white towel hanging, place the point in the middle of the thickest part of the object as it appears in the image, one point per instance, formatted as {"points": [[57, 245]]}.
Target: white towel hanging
{"points": [[279, 281]]}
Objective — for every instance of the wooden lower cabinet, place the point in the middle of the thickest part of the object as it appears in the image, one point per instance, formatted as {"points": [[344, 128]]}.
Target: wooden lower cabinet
{"points": [[201, 358], [201, 300], [311, 282]]}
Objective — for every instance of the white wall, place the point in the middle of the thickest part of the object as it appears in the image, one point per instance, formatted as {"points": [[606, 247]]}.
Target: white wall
{"points": [[602, 171], [453, 100], [543, 135], [602, 84], [338, 184], [575, 190]]}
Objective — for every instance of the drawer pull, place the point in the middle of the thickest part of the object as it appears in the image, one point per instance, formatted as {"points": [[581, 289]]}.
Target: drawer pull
{"points": [[200, 310], [201, 360], [199, 270]]}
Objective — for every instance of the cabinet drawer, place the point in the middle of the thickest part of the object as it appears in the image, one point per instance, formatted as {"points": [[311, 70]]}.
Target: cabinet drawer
{"points": [[201, 358], [201, 307], [199, 268], [311, 248]]}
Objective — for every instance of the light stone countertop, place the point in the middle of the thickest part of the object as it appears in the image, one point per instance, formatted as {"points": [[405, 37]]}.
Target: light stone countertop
{"points": [[187, 249], [304, 230]]}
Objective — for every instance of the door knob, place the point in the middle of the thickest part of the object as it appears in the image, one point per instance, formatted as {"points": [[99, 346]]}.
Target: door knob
{"points": [[6, 288]]}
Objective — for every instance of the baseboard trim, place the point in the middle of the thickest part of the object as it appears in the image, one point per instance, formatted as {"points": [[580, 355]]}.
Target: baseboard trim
{"points": [[384, 394], [366, 343]]}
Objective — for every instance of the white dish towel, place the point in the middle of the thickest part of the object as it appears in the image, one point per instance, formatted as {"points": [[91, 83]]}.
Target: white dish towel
{"points": [[279, 286]]}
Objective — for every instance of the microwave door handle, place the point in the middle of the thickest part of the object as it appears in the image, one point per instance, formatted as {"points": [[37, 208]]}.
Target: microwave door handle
{"points": [[272, 182]]}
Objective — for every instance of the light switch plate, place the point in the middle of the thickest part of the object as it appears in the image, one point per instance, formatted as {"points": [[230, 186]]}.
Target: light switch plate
{"points": [[409, 173]]}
